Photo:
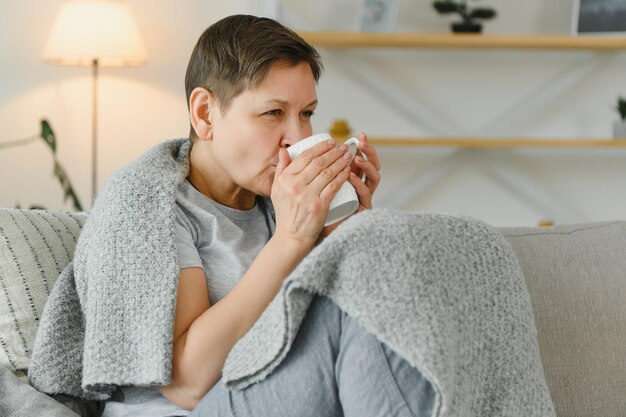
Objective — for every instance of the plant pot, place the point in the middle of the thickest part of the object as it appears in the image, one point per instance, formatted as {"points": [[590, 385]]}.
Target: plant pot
{"points": [[619, 129], [467, 27]]}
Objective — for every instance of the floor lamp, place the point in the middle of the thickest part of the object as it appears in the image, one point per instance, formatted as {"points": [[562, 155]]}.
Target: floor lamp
{"points": [[95, 33]]}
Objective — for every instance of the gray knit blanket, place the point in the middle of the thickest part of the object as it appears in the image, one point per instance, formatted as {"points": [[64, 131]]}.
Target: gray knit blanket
{"points": [[444, 292], [109, 319]]}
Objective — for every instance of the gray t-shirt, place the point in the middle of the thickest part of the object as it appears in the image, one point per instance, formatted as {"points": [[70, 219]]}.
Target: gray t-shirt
{"points": [[223, 242]]}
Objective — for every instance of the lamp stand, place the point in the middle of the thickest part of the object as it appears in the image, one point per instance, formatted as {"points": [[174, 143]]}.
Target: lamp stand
{"points": [[94, 131]]}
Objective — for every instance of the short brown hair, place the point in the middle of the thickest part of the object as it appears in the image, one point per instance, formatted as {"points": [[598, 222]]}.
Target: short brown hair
{"points": [[237, 52]]}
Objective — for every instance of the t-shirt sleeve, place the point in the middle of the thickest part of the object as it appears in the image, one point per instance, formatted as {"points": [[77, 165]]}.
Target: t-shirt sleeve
{"points": [[188, 256]]}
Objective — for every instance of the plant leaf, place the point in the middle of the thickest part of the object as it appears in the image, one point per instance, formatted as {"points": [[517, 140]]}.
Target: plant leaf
{"points": [[66, 185], [47, 134], [621, 107], [446, 6], [482, 13]]}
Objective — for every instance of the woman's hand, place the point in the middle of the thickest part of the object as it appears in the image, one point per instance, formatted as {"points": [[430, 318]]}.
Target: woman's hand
{"points": [[365, 177], [303, 189]]}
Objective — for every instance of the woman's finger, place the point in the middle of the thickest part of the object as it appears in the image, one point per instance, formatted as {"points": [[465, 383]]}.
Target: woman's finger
{"points": [[299, 163], [330, 175], [372, 176], [326, 166], [331, 188], [368, 150], [368, 166], [283, 162], [362, 190]]}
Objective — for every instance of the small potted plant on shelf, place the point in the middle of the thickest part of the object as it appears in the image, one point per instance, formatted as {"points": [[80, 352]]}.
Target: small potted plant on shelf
{"points": [[619, 126], [469, 15]]}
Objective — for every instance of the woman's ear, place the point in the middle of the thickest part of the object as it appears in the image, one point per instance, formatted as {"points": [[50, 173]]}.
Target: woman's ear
{"points": [[201, 104]]}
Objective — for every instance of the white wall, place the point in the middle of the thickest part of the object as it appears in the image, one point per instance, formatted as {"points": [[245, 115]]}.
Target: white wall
{"points": [[383, 92]]}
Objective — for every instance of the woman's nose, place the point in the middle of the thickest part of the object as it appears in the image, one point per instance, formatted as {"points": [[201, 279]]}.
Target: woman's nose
{"points": [[295, 132]]}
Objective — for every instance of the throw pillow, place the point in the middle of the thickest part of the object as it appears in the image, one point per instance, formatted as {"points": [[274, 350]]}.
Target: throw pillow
{"points": [[35, 246]]}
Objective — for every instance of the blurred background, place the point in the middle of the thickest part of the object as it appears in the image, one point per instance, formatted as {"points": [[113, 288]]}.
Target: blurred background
{"points": [[386, 92]]}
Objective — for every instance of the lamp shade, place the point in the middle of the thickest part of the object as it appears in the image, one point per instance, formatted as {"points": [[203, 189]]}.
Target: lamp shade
{"points": [[86, 30]]}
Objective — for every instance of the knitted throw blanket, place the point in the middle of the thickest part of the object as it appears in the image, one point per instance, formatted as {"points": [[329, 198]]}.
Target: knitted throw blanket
{"points": [[109, 319], [446, 293]]}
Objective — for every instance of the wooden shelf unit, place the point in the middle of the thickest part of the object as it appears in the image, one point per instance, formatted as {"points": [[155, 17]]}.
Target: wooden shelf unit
{"points": [[463, 41], [449, 142], [406, 40]]}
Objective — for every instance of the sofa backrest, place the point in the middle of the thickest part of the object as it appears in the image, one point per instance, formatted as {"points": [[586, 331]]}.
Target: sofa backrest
{"points": [[576, 276]]}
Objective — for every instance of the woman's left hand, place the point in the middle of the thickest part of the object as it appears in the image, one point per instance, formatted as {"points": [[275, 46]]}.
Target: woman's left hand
{"points": [[365, 177]]}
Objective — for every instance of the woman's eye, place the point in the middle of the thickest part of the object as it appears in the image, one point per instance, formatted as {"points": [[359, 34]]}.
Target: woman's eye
{"points": [[275, 112], [308, 113]]}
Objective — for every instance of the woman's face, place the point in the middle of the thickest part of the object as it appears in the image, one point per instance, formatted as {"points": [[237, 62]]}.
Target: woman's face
{"points": [[277, 113]]}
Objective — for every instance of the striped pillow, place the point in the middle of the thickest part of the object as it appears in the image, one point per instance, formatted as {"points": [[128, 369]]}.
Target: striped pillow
{"points": [[35, 246]]}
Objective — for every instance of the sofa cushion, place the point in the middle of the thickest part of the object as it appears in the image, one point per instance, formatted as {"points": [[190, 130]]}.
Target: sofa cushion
{"points": [[576, 276], [20, 399], [35, 246]]}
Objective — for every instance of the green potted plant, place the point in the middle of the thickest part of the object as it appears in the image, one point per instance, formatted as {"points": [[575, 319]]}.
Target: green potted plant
{"points": [[469, 15], [48, 136], [619, 126]]}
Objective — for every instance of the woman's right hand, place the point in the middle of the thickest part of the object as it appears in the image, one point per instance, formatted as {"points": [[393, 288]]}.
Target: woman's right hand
{"points": [[303, 189]]}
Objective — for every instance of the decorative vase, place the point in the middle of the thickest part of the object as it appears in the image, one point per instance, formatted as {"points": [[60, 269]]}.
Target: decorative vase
{"points": [[619, 129], [467, 26]]}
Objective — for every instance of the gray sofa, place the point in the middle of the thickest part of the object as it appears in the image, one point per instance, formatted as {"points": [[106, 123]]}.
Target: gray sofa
{"points": [[576, 276]]}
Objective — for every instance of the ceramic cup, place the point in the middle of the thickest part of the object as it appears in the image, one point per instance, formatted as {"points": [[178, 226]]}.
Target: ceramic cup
{"points": [[346, 201]]}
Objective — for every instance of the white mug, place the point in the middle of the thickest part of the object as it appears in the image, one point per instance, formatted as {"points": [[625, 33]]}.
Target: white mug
{"points": [[346, 201]]}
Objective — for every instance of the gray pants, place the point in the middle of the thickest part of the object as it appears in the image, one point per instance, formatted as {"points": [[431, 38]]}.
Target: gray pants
{"points": [[334, 368]]}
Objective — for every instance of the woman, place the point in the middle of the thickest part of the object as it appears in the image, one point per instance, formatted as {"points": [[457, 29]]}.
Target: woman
{"points": [[251, 88]]}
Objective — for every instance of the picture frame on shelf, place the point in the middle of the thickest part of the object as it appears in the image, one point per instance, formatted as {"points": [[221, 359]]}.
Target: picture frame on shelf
{"points": [[377, 15], [599, 17]]}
